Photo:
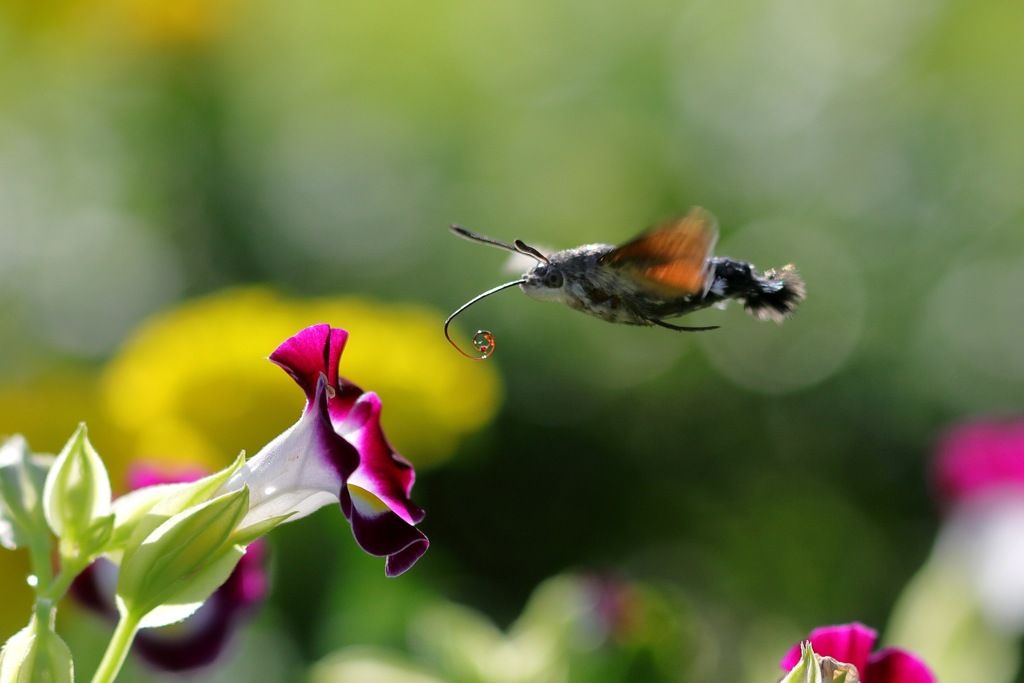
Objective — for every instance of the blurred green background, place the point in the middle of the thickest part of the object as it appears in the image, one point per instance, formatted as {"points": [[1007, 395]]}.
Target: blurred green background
{"points": [[771, 478]]}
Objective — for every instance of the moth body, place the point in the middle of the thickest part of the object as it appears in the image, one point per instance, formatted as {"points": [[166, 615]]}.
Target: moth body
{"points": [[666, 272], [578, 278]]}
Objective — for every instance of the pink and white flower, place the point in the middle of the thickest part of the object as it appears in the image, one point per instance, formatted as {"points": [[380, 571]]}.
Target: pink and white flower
{"points": [[979, 477], [337, 451]]}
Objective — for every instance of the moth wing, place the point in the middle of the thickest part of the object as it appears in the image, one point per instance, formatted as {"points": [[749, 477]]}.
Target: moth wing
{"points": [[671, 257]]}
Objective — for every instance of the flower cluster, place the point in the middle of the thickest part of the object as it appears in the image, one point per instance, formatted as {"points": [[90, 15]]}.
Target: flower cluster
{"points": [[175, 546]]}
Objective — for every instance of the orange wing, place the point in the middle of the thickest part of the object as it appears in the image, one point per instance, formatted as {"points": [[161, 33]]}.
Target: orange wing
{"points": [[672, 257]]}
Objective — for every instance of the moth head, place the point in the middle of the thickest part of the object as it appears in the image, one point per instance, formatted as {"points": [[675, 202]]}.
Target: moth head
{"points": [[484, 341], [545, 282]]}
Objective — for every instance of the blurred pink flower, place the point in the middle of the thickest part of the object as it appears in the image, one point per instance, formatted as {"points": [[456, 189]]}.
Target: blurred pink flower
{"points": [[979, 477], [978, 458]]}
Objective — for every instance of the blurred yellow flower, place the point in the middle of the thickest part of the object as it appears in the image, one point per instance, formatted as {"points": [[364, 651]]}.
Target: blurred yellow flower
{"points": [[84, 26], [179, 22], [46, 409], [191, 384]]}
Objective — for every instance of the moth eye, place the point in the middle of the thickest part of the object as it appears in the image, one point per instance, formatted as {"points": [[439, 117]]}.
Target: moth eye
{"points": [[553, 279]]}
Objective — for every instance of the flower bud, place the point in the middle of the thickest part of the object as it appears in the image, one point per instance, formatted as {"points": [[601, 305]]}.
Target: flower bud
{"points": [[807, 670], [36, 653], [183, 560], [76, 497]]}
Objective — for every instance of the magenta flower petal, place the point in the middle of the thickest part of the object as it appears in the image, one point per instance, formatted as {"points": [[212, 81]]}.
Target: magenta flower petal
{"points": [[980, 456], [382, 471], [891, 665], [398, 563], [314, 351], [309, 353], [381, 532], [849, 643]]}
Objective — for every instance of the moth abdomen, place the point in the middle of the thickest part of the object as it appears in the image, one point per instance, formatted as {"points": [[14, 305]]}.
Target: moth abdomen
{"points": [[771, 295]]}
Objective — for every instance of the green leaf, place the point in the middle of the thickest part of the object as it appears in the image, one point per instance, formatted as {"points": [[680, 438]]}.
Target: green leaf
{"points": [[192, 594], [96, 536], [22, 477]]}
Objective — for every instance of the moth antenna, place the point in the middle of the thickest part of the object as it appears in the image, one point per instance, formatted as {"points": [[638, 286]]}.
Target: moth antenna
{"points": [[525, 249], [483, 341], [518, 247]]}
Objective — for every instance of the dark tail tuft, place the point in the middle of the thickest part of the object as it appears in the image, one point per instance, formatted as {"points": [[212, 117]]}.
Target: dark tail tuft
{"points": [[777, 293]]}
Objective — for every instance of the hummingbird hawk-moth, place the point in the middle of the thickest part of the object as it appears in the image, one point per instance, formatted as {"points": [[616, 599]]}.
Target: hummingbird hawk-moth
{"points": [[665, 272]]}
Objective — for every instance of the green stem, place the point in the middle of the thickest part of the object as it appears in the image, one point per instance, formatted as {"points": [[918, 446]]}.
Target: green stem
{"points": [[44, 613], [39, 555], [117, 650], [60, 584]]}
